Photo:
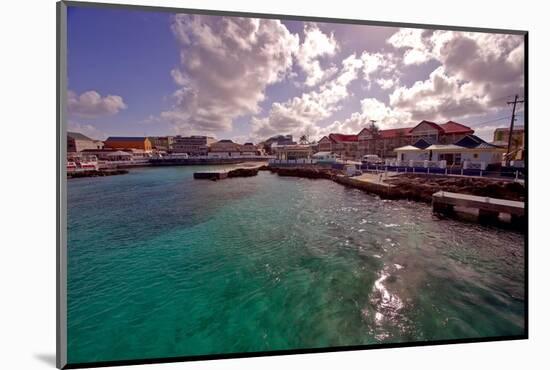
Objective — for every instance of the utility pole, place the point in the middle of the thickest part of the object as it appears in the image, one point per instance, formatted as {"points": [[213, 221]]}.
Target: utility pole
{"points": [[515, 102]]}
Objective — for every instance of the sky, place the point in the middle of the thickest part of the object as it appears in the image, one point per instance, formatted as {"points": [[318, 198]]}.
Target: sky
{"points": [[142, 73]]}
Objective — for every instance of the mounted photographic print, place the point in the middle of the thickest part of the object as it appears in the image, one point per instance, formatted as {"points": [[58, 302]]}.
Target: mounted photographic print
{"points": [[235, 184]]}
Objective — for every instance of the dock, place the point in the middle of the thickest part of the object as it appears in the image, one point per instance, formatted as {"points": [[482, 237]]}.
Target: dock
{"points": [[488, 209], [242, 170]]}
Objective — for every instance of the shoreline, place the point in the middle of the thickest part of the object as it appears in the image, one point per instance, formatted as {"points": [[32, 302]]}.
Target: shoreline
{"points": [[411, 187], [420, 188]]}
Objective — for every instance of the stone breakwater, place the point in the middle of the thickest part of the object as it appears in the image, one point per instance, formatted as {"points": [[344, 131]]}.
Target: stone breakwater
{"points": [[422, 187], [413, 187], [243, 172], [94, 173], [220, 175]]}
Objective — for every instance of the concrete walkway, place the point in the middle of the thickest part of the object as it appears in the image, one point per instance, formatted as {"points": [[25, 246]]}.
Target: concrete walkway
{"points": [[376, 178]]}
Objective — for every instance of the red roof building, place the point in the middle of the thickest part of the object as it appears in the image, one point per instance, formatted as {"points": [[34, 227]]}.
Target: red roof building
{"points": [[341, 138], [383, 144], [456, 128]]}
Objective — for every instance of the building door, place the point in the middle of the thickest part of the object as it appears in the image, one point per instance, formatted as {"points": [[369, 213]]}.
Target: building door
{"points": [[449, 157]]}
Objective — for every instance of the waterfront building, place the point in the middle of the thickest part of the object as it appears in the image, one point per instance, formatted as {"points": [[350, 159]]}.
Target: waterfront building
{"points": [[381, 142], [278, 140], [324, 145], [128, 142], [445, 133], [249, 150], [105, 154], [118, 155], [517, 149], [138, 153], [346, 146], [162, 143], [77, 142], [292, 152], [192, 145], [224, 149], [384, 142], [469, 150]]}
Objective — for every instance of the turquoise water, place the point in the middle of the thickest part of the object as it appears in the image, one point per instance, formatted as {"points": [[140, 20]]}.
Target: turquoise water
{"points": [[161, 265]]}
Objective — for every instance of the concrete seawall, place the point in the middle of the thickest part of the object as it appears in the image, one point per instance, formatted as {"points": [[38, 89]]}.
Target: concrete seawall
{"points": [[96, 173], [377, 188], [408, 187], [383, 190], [200, 161], [223, 174]]}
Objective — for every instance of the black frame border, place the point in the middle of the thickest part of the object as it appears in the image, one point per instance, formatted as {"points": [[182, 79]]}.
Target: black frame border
{"points": [[61, 337]]}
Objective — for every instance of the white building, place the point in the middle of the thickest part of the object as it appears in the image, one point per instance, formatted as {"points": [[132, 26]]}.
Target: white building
{"points": [[469, 152]]}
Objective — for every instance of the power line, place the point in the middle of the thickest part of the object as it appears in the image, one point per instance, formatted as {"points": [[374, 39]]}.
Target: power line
{"points": [[492, 120]]}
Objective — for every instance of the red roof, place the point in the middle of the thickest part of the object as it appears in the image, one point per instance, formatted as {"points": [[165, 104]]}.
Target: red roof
{"points": [[450, 127], [433, 124], [456, 128], [393, 132], [342, 138]]}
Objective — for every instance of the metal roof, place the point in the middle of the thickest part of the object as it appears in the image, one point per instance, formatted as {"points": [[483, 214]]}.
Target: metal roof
{"points": [[78, 136], [408, 148], [474, 142], [126, 138]]}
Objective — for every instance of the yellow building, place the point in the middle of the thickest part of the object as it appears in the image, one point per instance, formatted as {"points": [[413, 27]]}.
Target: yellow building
{"points": [[517, 147]]}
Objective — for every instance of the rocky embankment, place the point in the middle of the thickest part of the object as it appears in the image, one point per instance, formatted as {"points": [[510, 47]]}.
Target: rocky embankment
{"points": [[306, 172], [421, 187], [243, 172], [100, 173], [414, 187]]}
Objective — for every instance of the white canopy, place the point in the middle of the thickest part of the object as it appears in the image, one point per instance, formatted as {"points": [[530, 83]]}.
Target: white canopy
{"points": [[446, 148], [119, 153], [407, 148]]}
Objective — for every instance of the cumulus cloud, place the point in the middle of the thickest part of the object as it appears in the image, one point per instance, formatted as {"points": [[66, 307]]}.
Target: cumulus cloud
{"points": [[91, 104], [386, 83], [226, 63], [493, 63], [371, 109], [440, 97], [302, 114], [477, 72], [380, 68], [315, 46], [412, 40]]}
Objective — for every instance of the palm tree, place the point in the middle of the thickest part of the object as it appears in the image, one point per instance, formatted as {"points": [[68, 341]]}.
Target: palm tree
{"points": [[304, 139]]}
